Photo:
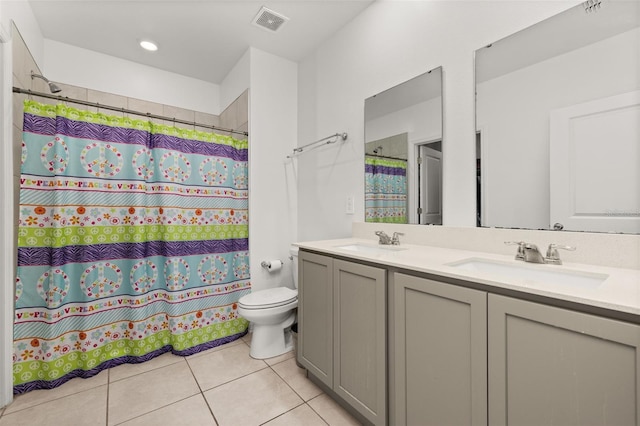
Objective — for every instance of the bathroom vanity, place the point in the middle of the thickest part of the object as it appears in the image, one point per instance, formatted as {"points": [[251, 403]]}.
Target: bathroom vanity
{"points": [[426, 335]]}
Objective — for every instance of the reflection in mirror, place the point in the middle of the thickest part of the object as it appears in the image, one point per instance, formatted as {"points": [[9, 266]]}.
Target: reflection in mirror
{"points": [[558, 122], [403, 152]]}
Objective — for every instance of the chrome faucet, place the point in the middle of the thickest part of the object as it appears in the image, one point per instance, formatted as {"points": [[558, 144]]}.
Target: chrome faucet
{"points": [[395, 240], [532, 254], [528, 252], [384, 238]]}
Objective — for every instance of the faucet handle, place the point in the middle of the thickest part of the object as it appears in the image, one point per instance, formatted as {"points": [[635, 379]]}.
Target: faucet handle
{"points": [[553, 256], [395, 240], [520, 252]]}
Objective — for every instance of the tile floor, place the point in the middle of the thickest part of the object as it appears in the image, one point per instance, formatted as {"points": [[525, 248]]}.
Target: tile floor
{"points": [[221, 386]]}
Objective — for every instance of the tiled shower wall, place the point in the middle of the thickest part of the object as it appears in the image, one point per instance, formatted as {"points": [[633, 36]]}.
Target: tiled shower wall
{"points": [[236, 116]]}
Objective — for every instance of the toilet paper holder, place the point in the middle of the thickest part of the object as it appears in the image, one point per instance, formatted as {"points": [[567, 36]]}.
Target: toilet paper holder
{"points": [[266, 264]]}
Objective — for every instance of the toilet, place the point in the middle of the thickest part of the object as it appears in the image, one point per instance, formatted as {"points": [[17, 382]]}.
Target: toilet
{"points": [[272, 312]]}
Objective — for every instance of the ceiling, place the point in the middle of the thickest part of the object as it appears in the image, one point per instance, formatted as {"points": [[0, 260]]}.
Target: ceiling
{"points": [[202, 39]]}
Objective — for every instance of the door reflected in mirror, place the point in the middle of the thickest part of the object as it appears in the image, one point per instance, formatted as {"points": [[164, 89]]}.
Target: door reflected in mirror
{"points": [[558, 122], [403, 152]]}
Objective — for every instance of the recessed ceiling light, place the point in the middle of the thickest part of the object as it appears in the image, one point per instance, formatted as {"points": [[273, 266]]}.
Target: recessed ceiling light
{"points": [[148, 45]]}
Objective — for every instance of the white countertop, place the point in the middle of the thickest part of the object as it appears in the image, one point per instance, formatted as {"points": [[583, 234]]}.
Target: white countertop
{"points": [[619, 292]]}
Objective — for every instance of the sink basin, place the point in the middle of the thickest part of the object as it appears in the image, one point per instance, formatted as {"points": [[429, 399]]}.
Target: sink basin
{"points": [[370, 248], [531, 272]]}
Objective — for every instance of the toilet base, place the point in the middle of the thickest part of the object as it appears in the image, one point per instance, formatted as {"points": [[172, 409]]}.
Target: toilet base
{"points": [[268, 341]]}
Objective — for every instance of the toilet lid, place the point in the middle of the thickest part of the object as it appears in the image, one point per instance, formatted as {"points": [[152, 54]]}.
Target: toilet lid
{"points": [[269, 298]]}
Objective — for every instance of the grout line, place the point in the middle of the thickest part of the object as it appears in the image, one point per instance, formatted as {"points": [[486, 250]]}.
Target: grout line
{"points": [[53, 390], [146, 371], [280, 362], [229, 381], [163, 406], [282, 414], [215, 420], [156, 409], [299, 396], [233, 380], [312, 409], [287, 383]]}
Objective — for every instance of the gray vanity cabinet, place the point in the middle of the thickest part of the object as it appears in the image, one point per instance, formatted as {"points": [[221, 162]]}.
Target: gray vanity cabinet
{"points": [[552, 366], [440, 353], [342, 330], [315, 315]]}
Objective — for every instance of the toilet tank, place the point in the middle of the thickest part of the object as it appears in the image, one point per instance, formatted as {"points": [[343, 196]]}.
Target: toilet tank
{"points": [[293, 251]]}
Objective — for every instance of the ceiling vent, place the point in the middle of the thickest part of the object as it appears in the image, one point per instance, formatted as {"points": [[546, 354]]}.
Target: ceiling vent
{"points": [[269, 20]]}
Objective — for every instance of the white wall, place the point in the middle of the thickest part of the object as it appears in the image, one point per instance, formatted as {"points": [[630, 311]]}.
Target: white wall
{"points": [[273, 128], [85, 68], [237, 81], [519, 104], [390, 42]]}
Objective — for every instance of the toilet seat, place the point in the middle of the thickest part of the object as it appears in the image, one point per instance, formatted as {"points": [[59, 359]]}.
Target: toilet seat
{"points": [[269, 298]]}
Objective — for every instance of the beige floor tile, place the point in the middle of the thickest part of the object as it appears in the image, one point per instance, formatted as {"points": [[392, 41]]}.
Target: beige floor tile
{"points": [[85, 408], [217, 348], [251, 400], [143, 393], [192, 411], [279, 358], [296, 377], [73, 386], [302, 415], [223, 366], [127, 370], [332, 412]]}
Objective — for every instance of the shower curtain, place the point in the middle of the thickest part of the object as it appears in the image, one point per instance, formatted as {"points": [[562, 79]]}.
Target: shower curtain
{"points": [[385, 190], [132, 242]]}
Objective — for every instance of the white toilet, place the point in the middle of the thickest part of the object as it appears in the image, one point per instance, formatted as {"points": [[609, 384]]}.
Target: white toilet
{"points": [[272, 313]]}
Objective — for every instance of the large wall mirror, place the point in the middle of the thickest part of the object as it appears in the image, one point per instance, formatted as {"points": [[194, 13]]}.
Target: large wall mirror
{"points": [[558, 122], [403, 152]]}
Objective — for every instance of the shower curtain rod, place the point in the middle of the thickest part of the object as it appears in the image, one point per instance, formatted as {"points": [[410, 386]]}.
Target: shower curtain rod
{"points": [[312, 144], [125, 110], [386, 157]]}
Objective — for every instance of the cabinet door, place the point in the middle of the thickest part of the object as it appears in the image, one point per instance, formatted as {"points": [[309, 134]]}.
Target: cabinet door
{"points": [[552, 366], [441, 353], [315, 315], [360, 338]]}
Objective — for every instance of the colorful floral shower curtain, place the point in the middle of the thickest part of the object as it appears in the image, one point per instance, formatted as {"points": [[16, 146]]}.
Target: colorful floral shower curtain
{"points": [[133, 241], [385, 190]]}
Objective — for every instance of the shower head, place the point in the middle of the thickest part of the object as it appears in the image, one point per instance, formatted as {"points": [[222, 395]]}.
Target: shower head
{"points": [[52, 86], [378, 150]]}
